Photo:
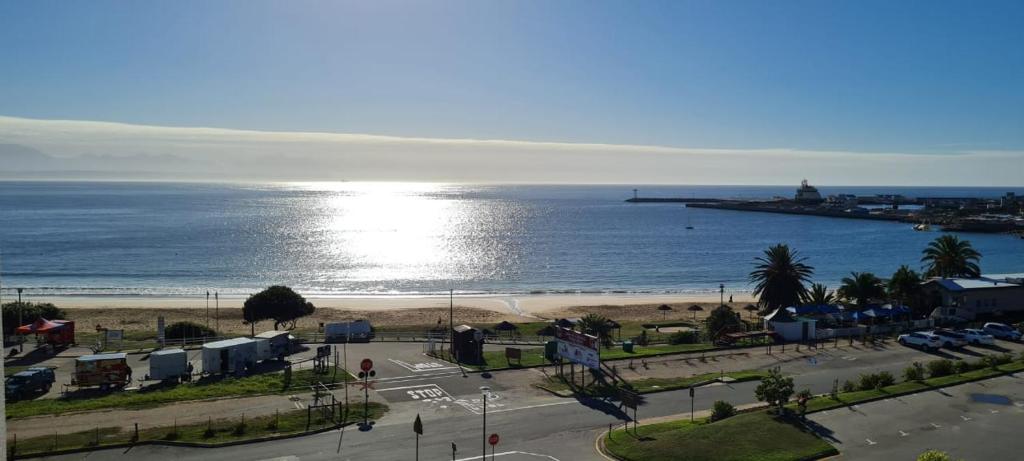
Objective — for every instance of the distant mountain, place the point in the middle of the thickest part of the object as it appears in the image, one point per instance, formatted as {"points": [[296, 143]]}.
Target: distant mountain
{"points": [[15, 157], [20, 161]]}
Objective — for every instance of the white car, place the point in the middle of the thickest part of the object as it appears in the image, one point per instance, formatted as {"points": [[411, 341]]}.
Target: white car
{"points": [[924, 340], [950, 339], [1002, 331], [977, 336]]}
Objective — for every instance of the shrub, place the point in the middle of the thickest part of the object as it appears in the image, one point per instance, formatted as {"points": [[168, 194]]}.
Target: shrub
{"points": [[942, 367], [885, 379], [915, 372], [868, 381], [993, 361], [30, 312], [962, 367], [934, 455], [181, 330], [848, 386], [722, 410], [682, 337]]}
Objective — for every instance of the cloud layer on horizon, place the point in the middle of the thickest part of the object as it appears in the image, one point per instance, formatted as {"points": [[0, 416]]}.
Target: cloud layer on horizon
{"points": [[204, 153]]}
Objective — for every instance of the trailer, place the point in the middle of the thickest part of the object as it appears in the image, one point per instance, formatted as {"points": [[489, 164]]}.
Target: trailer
{"points": [[356, 331], [103, 370], [168, 365], [229, 356], [273, 345]]}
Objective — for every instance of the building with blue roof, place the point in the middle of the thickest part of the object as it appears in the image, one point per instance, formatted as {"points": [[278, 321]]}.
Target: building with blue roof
{"points": [[967, 298]]}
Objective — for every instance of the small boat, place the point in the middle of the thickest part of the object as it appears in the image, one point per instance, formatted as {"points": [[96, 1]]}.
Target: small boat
{"points": [[923, 227]]}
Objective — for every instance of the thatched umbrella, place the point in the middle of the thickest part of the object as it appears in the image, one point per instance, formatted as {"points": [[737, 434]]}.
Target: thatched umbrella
{"points": [[664, 308], [695, 308], [506, 327], [751, 308]]}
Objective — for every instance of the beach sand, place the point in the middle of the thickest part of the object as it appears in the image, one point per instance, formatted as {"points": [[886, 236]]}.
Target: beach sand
{"points": [[140, 313]]}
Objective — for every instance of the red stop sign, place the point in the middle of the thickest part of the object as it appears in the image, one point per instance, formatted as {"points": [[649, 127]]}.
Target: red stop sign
{"points": [[493, 439], [366, 365]]}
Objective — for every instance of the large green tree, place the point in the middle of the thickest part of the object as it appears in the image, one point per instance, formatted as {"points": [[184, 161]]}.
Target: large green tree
{"points": [[596, 325], [778, 277], [948, 256], [819, 295], [29, 312], [722, 320], [905, 287], [861, 287], [775, 389], [278, 303]]}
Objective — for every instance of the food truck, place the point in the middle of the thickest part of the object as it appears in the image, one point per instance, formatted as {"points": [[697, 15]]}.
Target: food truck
{"points": [[103, 370]]}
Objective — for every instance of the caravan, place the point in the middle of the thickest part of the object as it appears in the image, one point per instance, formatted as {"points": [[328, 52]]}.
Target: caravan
{"points": [[229, 356]]}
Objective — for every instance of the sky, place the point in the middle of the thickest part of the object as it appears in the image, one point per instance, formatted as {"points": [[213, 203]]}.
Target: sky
{"points": [[721, 92]]}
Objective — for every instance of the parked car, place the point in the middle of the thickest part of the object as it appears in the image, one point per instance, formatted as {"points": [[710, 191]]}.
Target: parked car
{"points": [[1002, 331], [924, 340], [26, 383], [977, 336], [950, 338]]}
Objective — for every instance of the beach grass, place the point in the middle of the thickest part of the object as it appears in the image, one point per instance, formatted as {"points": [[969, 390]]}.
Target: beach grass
{"points": [[750, 436], [262, 384], [213, 432]]}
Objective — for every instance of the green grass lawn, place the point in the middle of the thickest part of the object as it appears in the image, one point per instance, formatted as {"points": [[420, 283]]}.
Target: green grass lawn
{"points": [[745, 437], [534, 356], [267, 383], [849, 398], [216, 431]]}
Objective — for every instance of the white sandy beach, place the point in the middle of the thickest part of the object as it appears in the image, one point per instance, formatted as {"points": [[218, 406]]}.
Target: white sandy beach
{"points": [[520, 305]]}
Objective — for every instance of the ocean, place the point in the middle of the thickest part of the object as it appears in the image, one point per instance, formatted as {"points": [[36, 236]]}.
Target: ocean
{"points": [[342, 239]]}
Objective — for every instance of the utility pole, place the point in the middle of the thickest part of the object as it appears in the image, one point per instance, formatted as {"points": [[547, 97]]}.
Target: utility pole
{"points": [[216, 300], [721, 294], [207, 308], [451, 322], [21, 339], [484, 390]]}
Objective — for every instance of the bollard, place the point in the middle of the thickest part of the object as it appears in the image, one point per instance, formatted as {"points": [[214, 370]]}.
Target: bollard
{"points": [[609, 431], [136, 437]]}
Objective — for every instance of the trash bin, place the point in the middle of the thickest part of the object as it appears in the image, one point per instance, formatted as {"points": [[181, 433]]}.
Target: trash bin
{"points": [[627, 346]]}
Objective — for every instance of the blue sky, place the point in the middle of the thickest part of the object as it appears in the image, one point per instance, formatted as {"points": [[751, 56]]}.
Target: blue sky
{"points": [[928, 77]]}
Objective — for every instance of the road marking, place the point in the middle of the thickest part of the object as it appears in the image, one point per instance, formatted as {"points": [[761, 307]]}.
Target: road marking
{"points": [[298, 405], [994, 411], [935, 425], [436, 375], [903, 434], [406, 387], [870, 442], [965, 418], [533, 406], [283, 458], [421, 366], [552, 458]]}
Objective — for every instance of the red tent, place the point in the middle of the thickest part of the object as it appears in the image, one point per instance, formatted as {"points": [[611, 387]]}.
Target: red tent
{"points": [[56, 332]]}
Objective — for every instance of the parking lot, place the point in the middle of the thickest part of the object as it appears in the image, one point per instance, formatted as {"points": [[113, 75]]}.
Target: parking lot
{"points": [[976, 421]]}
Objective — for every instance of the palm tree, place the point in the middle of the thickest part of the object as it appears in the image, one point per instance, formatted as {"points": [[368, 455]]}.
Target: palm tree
{"points": [[819, 295], [948, 256], [905, 287], [597, 325], [779, 278], [861, 287]]}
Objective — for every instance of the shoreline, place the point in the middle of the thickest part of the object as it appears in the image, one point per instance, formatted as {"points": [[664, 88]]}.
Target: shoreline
{"points": [[519, 305]]}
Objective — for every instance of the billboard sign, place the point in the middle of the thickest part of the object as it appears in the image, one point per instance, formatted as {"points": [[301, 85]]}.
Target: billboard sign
{"points": [[578, 348]]}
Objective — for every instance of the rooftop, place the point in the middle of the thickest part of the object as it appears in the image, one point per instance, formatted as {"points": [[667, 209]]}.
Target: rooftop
{"points": [[960, 284]]}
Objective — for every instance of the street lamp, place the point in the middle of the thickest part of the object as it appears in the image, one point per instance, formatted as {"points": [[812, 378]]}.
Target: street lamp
{"points": [[21, 339], [721, 294], [485, 390]]}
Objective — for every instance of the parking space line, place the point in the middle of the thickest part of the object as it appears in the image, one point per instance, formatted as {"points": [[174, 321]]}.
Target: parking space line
{"points": [[870, 442], [965, 418], [903, 434], [937, 426], [505, 453]]}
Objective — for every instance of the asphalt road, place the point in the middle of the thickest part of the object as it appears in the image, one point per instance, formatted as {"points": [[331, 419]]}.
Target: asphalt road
{"points": [[976, 421], [530, 422]]}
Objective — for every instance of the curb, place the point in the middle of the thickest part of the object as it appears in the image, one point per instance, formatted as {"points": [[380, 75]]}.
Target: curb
{"points": [[926, 389], [171, 443]]}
